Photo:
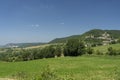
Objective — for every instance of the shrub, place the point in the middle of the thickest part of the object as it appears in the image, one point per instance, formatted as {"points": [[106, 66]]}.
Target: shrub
{"points": [[89, 50], [111, 51], [21, 76], [99, 52], [49, 74]]}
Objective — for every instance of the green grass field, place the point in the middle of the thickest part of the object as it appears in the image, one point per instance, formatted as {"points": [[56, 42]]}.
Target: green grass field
{"points": [[105, 48], [82, 68]]}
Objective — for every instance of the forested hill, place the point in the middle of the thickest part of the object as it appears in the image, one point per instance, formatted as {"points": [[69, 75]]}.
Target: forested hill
{"points": [[62, 40], [99, 32], [96, 32]]}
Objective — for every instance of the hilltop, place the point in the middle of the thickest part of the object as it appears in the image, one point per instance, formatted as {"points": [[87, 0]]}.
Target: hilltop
{"points": [[95, 36]]}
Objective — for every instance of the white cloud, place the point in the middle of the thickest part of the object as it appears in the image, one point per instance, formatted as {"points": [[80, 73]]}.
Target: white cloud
{"points": [[35, 25]]}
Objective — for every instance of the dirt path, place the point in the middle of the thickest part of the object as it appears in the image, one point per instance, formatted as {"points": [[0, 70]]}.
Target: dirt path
{"points": [[6, 79]]}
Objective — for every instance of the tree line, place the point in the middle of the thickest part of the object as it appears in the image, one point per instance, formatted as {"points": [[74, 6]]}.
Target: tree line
{"points": [[73, 47]]}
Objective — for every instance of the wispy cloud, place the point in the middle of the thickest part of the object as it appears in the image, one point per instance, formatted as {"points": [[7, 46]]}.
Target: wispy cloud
{"points": [[37, 7], [62, 23], [35, 25]]}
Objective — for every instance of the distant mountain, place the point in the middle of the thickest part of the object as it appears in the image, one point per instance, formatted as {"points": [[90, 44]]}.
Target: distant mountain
{"points": [[95, 32], [22, 45]]}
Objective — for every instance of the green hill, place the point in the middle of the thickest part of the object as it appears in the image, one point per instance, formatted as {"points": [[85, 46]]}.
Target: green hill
{"points": [[99, 32], [96, 32], [63, 40]]}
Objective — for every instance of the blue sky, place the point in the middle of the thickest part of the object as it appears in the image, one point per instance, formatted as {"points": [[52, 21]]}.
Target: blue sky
{"points": [[44, 20]]}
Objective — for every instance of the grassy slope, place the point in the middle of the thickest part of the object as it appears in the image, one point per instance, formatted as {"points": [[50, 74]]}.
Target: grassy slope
{"points": [[39, 46], [42, 46], [83, 68], [104, 48]]}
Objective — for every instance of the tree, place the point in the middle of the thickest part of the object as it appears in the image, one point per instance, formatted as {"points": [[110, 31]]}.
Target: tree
{"points": [[48, 52], [74, 47], [81, 48], [58, 51]]}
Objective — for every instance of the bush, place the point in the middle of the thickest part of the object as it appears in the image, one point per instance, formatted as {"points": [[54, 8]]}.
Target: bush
{"points": [[99, 53], [89, 50], [111, 51], [49, 74], [21, 76]]}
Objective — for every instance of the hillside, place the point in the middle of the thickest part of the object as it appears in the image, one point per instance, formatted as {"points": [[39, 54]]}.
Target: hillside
{"points": [[104, 49], [95, 32], [62, 40], [99, 32]]}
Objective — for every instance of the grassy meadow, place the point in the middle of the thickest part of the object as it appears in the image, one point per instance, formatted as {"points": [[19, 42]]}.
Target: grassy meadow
{"points": [[105, 47], [81, 68]]}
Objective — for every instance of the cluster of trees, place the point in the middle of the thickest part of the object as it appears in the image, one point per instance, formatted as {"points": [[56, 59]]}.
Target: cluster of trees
{"points": [[76, 47], [73, 47], [12, 55]]}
